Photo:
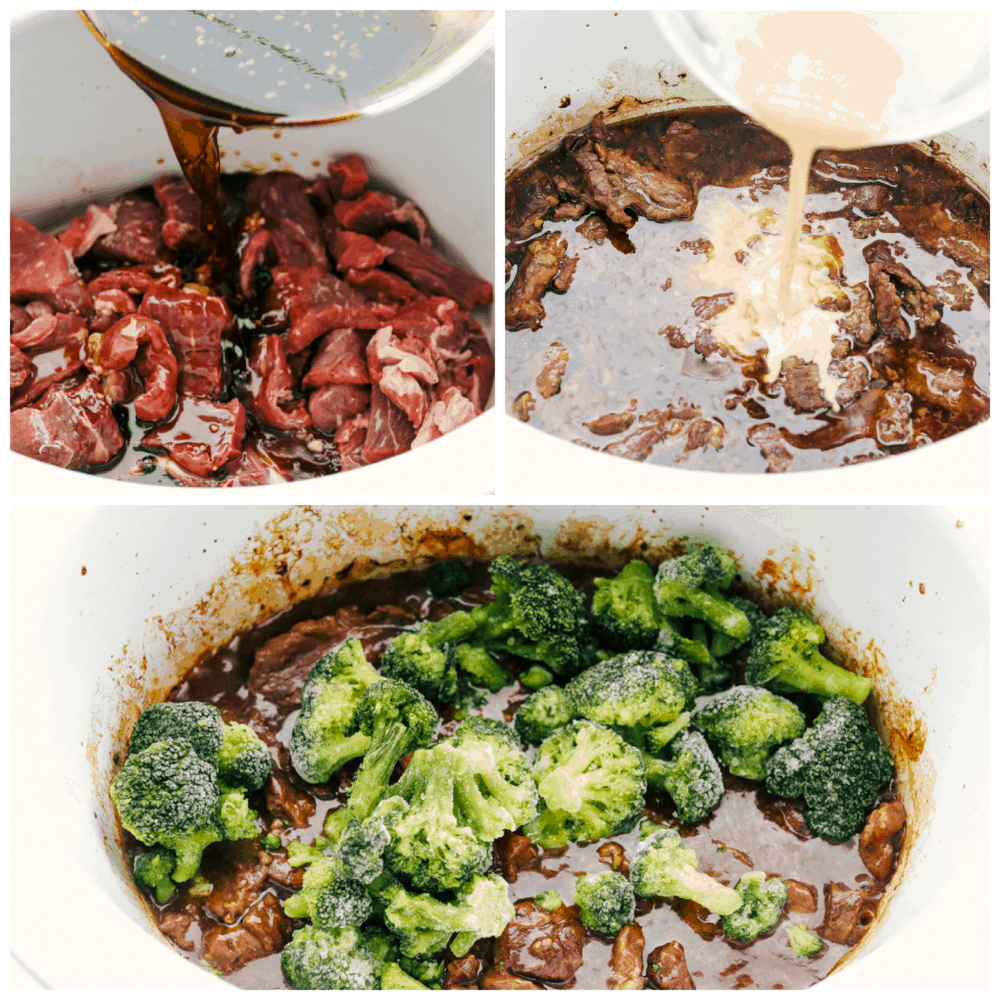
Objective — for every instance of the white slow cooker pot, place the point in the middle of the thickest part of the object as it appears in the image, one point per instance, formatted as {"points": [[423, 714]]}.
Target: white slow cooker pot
{"points": [[602, 60], [112, 605], [80, 131]]}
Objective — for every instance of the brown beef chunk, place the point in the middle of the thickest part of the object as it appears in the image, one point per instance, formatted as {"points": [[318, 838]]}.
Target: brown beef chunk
{"points": [[848, 913], [264, 931], [512, 852], [542, 262], [549, 380], [651, 429], [523, 406], [462, 972], [858, 321], [874, 198], [938, 229], [528, 203], [667, 968], [543, 944], [854, 373], [772, 446], [237, 875], [612, 423], [71, 428], [285, 800], [894, 287], [875, 842], [177, 925], [894, 426], [626, 959], [498, 978], [802, 389]]}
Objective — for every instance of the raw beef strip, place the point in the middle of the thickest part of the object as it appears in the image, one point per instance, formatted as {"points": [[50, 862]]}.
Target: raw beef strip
{"points": [[348, 177], [143, 340], [62, 353], [109, 307], [42, 268], [331, 406], [20, 319], [289, 218], [181, 209], [450, 411], [317, 301], [355, 250], [195, 325], [428, 272], [381, 285], [375, 212], [389, 430], [271, 388], [399, 374], [203, 436], [136, 239], [350, 442], [85, 230], [50, 331], [339, 359], [20, 367], [248, 470], [137, 280], [71, 428]]}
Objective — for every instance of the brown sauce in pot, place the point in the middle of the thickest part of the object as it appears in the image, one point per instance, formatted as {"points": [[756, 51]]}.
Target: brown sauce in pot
{"points": [[749, 829], [611, 278]]}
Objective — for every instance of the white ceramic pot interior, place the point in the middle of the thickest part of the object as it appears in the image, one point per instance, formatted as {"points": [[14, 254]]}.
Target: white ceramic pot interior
{"points": [[620, 64], [81, 131], [205, 575]]}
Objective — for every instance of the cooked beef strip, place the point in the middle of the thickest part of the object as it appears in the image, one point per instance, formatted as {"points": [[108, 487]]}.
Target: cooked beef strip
{"points": [[541, 263]]}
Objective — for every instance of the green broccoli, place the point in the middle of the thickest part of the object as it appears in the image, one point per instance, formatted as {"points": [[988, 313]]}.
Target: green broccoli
{"points": [[745, 724], [320, 873], [195, 721], [300, 854], [803, 941], [428, 971], [542, 713], [244, 761], [344, 958], [271, 842], [690, 587], [715, 674], [398, 719], [663, 866], [722, 644], [493, 787], [448, 579], [659, 737], [633, 692], [236, 819], [324, 737], [592, 782], [433, 845], [423, 925], [394, 978], [606, 902], [359, 850], [484, 670], [536, 615], [153, 869], [784, 655], [763, 901], [838, 765], [536, 677], [690, 776], [673, 643], [549, 900], [425, 656], [342, 902], [625, 615]]}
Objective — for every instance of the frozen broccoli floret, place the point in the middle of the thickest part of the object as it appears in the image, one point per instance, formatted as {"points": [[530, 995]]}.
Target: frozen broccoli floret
{"points": [[424, 658], [670, 641], [300, 854], [763, 902], [663, 866], [197, 722], [342, 903], [592, 782], [715, 674], [838, 765], [448, 579], [236, 819], [344, 958], [434, 846], [324, 737], [484, 670], [624, 609], [320, 873], [536, 677], [423, 925], [536, 615], [659, 737], [359, 850], [606, 901], [690, 775], [633, 692], [690, 587], [397, 718], [394, 978], [745, 724], [785, 655], [549, 900], [542, 713], [153, 869], [803, 941], [167, 795], [244, 761], [428, 971], [271, 842]]}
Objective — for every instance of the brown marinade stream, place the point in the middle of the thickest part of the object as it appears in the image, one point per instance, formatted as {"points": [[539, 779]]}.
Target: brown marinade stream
{"points": [[749, 826]]}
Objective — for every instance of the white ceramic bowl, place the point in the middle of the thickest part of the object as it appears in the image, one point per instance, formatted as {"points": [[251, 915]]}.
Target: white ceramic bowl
{"points": [[603, 60], [80, 130], [113, 604]]}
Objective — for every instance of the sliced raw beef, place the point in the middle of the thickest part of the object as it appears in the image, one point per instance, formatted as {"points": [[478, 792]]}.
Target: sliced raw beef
{"points": [[375, 212], [203, 436], [350, 442], [42, 268], [434, 276], [20, 319], [71, 428], [331, 406], [136, 239], [390, 431], [141, 339], [181, 209], [109, 307], [339, 360], [85, 230], [137, 280], [355, 250], [271, 389], [381, 285], [450, 411], [195, 325], [20, 367], [348, 177]]}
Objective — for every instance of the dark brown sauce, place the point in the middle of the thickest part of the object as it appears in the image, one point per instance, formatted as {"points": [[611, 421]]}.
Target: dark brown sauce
{"points": [[749, 828], [638, 342]]}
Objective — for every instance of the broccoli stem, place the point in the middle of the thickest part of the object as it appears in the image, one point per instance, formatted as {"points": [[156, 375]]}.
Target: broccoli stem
{"points": [[703, 889], [456, 626], [815, 674], [390, 743]]}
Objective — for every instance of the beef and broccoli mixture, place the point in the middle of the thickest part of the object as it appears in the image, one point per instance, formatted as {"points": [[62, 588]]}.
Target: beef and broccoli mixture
{"points": [[615, 289], [517, 775], [343, 340]]}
